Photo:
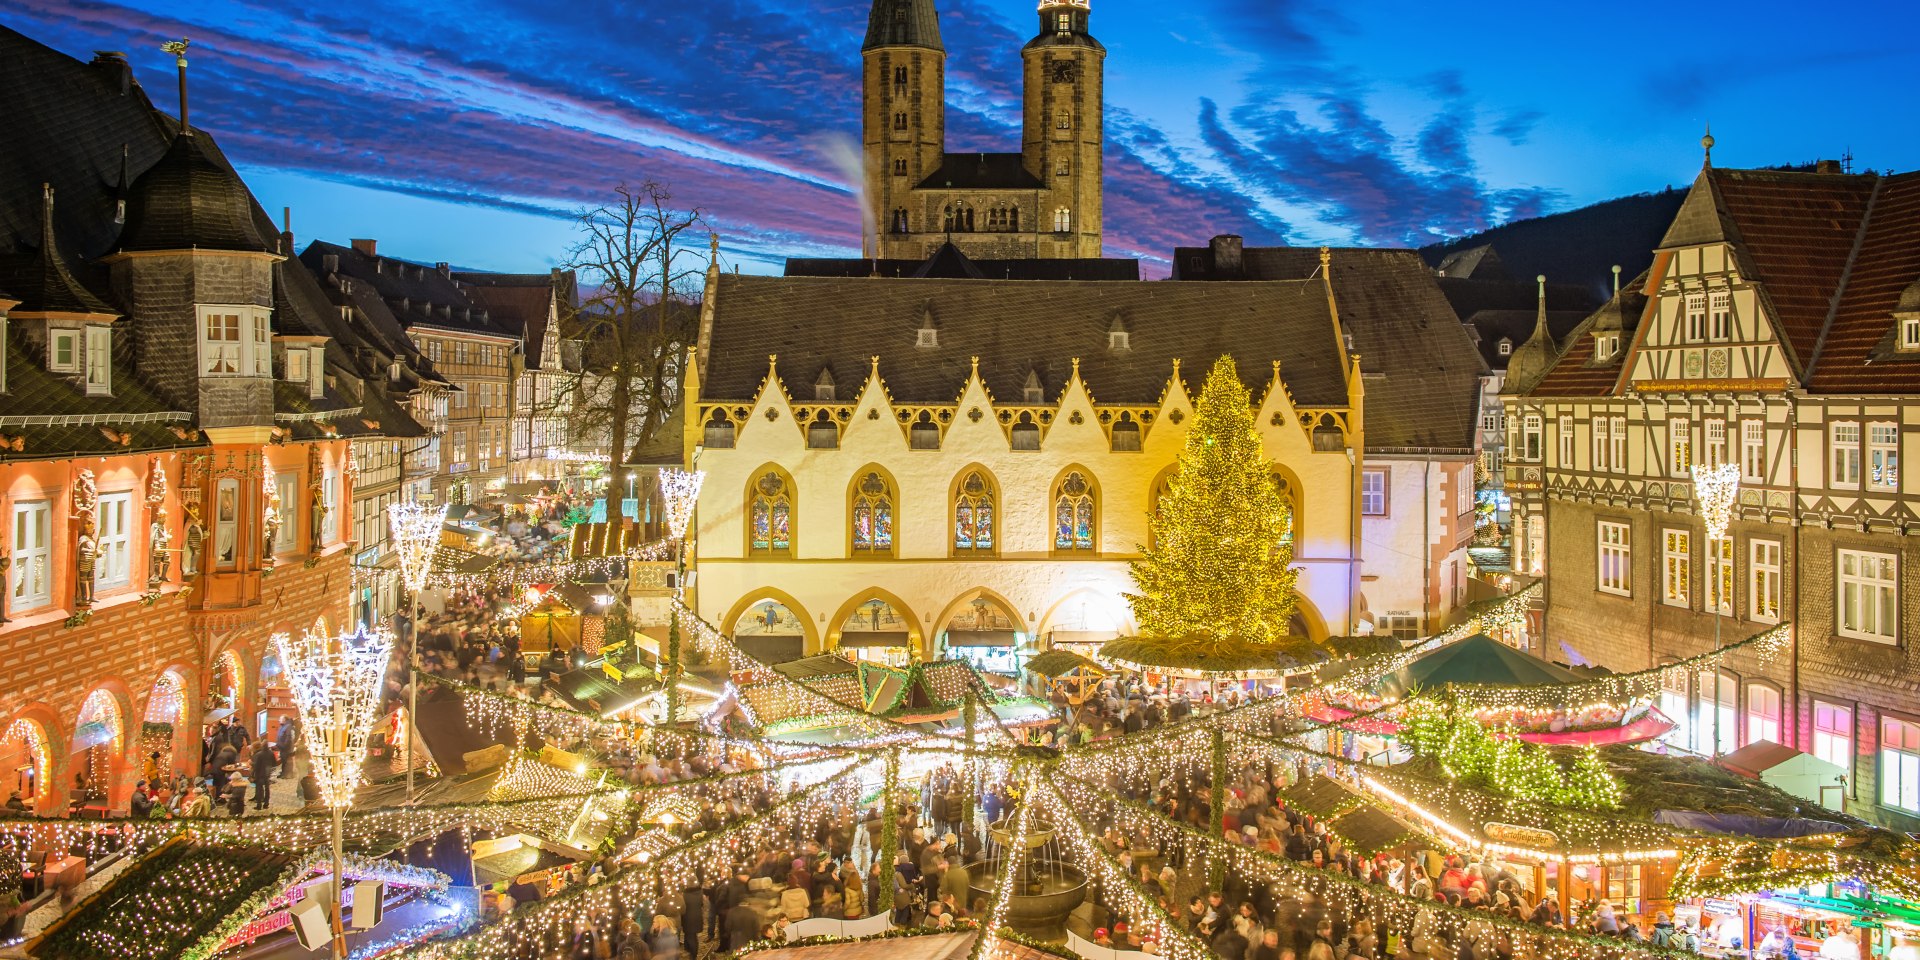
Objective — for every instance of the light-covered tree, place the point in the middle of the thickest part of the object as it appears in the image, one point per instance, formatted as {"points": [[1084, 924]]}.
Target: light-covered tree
{"points": [[1219, 576]]}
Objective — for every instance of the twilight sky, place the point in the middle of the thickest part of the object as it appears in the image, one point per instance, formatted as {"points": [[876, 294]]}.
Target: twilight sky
{"points": [[467, 131]]}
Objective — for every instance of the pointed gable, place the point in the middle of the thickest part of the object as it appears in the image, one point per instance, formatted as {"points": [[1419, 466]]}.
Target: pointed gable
{"points": [[1701, 219]]}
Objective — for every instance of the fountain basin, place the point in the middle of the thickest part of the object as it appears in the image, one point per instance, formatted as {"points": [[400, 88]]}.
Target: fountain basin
{"points": [[1041, 900]]}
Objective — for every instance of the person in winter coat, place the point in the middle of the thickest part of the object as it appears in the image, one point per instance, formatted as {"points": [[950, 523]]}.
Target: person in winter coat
{"points": [[664, 938], [283, 741], [693, 919], [743, 925], [795, 905], [261, 769], [855, 896]]}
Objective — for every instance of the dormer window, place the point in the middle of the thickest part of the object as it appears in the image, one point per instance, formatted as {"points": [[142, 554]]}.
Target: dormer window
{"points": [[99, 360], [1910, 332], [296, 365], [1605, 345], [823, 387], [234, 341], [1118, 340], [1505, 347], [1063, 23], [63, 351]]}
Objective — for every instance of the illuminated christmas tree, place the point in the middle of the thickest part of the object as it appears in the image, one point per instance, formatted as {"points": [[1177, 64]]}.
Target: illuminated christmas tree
{"points": [[1218, 578]]}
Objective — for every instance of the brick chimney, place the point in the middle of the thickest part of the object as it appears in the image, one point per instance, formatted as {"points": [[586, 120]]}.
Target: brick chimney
{"points": [[364, 247], [445, 270], [113, 63], [1826, 166], [1226, 255]]}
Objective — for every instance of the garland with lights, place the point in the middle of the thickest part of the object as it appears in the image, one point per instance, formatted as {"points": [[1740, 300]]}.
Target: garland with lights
{"points": [[1137, 904], [1620, 688]]}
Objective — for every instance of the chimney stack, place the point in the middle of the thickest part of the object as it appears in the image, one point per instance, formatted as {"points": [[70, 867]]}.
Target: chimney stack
{"points": [[114, 64], [1826, 166], [367, 248], [1227, 249], [286, 231], [445, 270]]}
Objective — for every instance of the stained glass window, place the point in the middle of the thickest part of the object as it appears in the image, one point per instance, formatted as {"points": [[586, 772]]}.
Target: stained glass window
{"points": [[973, 515], [1073, 514], [872, 515], [771, 511]]}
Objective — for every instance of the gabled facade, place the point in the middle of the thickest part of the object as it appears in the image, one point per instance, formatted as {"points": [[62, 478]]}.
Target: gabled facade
{"points": [[1422, 380], [1768, 334], [534, 306], [944, 464]]}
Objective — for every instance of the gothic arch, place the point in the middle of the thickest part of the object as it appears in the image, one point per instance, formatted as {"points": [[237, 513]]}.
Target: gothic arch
{"points": [[891, 495], [811, 633], [1308, 614], [939, 625], [916, 637], [173, 702], [35, 735], [1066, 609], [1054, 493], [1296, 495], [109, 704], [996, 498], [748, 518]]}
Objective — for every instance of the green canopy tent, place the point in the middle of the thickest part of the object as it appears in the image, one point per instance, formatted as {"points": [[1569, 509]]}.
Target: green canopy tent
{"points": [[1478, 660]]}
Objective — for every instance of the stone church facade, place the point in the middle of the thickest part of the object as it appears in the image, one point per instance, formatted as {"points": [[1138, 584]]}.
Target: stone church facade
{"points": [[1043, 202]]}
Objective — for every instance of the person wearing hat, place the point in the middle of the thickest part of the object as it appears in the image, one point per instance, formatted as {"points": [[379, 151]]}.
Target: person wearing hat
{"points": [[1100, 937]]}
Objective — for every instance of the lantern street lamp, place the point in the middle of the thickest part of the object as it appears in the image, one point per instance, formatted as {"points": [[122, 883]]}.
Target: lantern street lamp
{"points": [[416, 533], [1714, 489], [336, 685], [681, 491]]}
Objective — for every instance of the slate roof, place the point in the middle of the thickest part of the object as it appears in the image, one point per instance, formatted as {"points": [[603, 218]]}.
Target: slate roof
{"points": [[1517, 327], [187, 201], [903, 23], [1419, 366], [1479, 263], [982, 171], [418, 294], [1574, 373], [520, 302], [1018, 328], [945, 267], [43, 281], [1470, 296]]}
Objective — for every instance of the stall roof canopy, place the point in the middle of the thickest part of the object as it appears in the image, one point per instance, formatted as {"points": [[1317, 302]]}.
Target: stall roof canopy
{"points": [[1059, 663], [822, 665], [1371, 830], [1479, 660]]}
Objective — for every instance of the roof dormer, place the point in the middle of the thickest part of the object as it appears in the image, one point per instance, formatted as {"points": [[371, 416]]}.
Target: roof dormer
{"points": [[928, 333]]}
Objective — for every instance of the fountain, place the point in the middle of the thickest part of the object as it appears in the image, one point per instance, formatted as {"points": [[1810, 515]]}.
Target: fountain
{"points": [[1044, 893]]}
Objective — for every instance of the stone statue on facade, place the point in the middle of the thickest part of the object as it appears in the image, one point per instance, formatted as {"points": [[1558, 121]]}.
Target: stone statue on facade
{"points": [[86, 555], [159, 549], [196, 537]]}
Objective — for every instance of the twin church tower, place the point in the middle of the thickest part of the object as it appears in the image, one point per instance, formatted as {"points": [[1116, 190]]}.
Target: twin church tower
{"points": [[1042, 202]]}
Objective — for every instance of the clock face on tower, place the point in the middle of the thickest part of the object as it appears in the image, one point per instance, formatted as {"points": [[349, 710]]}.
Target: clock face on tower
{"points": [[1063, 71]]}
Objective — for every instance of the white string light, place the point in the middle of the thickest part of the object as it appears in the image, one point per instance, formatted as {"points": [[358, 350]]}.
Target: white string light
{"points": [[416, 532], [1715, 488], [336, 685], [681, 490]]}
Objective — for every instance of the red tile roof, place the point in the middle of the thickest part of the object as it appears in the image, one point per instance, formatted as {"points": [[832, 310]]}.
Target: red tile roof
{"points": [[1857, 355]]}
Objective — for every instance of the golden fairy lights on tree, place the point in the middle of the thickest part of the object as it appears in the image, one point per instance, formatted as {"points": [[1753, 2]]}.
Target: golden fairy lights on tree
{"points": [[1219, 575]]}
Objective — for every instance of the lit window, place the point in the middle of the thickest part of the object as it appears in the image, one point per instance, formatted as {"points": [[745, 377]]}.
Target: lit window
{"points": [[262, 357], [1615, 566], [1680, 446], [1833, 734], [973, 515], [1716, 441], [1883, 456], [1763, 580], [1753, 451], [1910, 332], [113, 539], [1763, 713], [1720, 575], [99, 359], [1062, 220], [1677, 568], [872, 515], [296, 365], [1602, 444], [1505, 347], [1676, 698], [1605, 345], [63, 354], [1073, 513], [1900, 764], [1845, 456], [32, 569], [1869, 596], [1373, 492], [220, 344], [1063, 23], [770, 507]]}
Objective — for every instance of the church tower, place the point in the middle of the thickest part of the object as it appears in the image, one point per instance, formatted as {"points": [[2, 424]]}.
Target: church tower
{"points": [[903, 115], [1062, 127]]}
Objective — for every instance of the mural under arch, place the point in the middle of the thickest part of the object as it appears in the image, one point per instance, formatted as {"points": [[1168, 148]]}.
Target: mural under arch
{"points": [[986, 634], [771, 631], [877, 630]]}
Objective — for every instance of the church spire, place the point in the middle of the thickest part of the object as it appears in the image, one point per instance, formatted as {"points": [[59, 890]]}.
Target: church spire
{"points": [[903, 23]]}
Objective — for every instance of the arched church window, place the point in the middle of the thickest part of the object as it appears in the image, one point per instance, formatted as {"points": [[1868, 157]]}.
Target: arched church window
{"points": [[899, 121], [1013, 218], [1073, 513], [770, 514], [719, 432], [900, 167], [1062, 220], [900, 220], [900, 76], [872, 515], [973, 515], [969, 214], [1063, 120]]}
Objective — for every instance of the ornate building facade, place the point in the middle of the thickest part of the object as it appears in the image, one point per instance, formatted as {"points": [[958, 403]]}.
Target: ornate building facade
{"points": [[1044, 201], [1777, 330], [177, 402], [929, 465]]}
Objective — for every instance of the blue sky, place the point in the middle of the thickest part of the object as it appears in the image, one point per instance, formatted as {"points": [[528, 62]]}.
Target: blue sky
{"points": [[468, 131]]}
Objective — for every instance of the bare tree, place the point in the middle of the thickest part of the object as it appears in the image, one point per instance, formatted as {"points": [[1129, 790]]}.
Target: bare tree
{"points": [[636, 318]]}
